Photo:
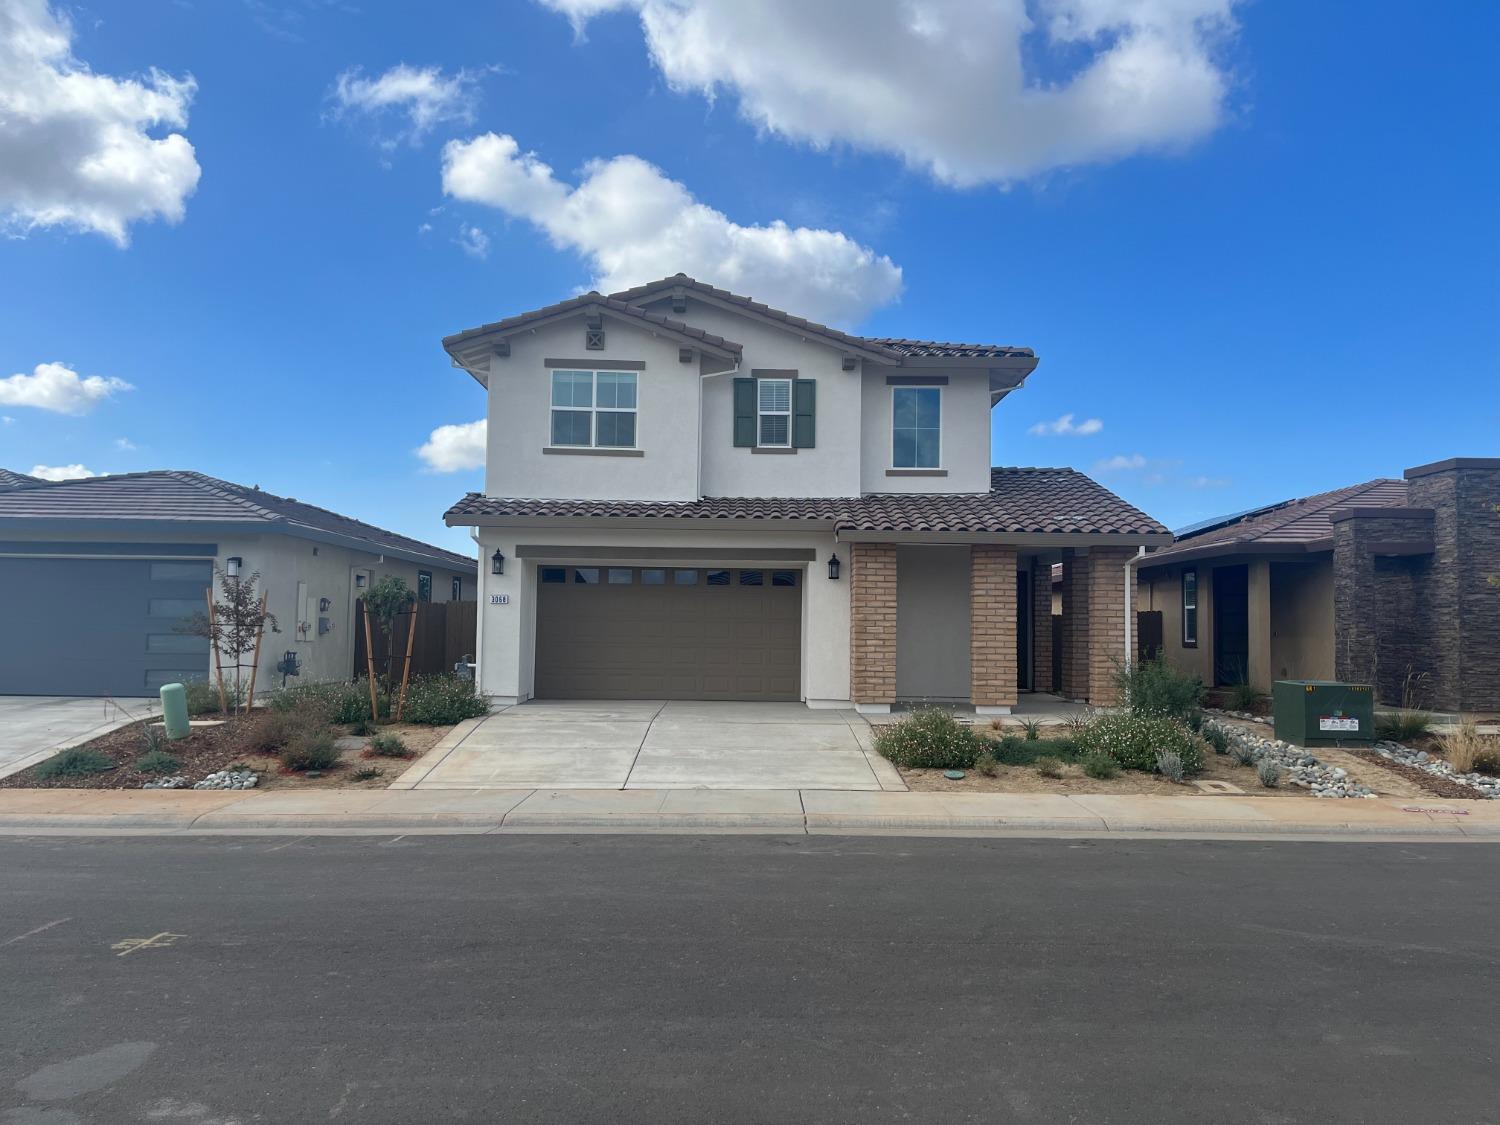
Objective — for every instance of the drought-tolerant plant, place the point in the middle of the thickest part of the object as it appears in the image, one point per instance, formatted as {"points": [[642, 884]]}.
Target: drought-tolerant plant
{"points": [[310, 750], [1079, 722], [986, 764], [1155, 688], [1269, 773], [390, 746], [1134, 741], [362, 727], [202, 697], [1049, 767], [443, 700], [76, 762], [1101, 767], [1032, 728], [1195, 719], [1468, 751], [156, 761], [153, 738], [367, 773], [1015, 750], [1244, 697], [340, 701], [234, 629], [1243, 753], [929, 738], [1216, 736], [1403, 725], [1169, 765]]}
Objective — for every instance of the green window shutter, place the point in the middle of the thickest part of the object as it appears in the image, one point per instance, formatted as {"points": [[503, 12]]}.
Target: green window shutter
{"points": [[804, 413], [744, 412]]}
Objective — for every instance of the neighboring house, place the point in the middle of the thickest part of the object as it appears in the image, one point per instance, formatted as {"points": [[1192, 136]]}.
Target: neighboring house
{"points": [[1382, 583], [690, 495], [9, 479], [99, 574]]}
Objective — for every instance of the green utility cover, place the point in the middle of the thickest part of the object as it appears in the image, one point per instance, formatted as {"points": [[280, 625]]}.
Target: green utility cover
{"points": [[1323, 712], [174, 713]]}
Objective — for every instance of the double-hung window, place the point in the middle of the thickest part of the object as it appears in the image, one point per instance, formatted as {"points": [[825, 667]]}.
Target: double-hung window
{"points": [[1190, 607], [774, 410], [916, 427], [594, 409]]}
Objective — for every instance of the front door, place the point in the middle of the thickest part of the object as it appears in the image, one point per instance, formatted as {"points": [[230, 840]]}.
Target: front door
{"points": [[1231, 625]]}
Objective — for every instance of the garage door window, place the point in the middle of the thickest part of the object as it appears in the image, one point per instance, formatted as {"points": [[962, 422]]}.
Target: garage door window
{"points": [[175, 642], [554, 574], [684, 578], [783, 578], [752, 578], [182, 572], [587, 576], [173, 607], [621, 576], [653, 578], [718, 578]]}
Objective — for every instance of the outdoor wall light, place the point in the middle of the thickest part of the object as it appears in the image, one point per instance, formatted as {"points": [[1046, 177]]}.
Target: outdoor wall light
{"points": [[497, 562], [232, 566], [833, 568], [359, 581]]}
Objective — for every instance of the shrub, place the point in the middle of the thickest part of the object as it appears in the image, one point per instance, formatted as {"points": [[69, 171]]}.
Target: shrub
{"points": [[367, 773], [362, 727], [1169, 765], [1216, 736], [76, 762], [153, 738], [389, 746], [274, 731], [1244, 754], [1049, 767], [443, 700], [1468, 751], [1244, 697], [156, 761], [1033, 729], [1101, 767], [929, 738], [986, 764], [337, 701], [310, 750], [1134, 741], [1014, 750], [1403, 725], [1155, 688], [202, 697], [1269, 773], [1195, 720]]}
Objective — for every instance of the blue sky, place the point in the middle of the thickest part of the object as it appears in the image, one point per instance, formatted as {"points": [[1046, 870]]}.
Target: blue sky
{"points": [[1278, 277]]}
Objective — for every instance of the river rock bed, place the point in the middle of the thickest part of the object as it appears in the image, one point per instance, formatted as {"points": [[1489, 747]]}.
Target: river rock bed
{"points": [[1302, 767], [220, 779], [1482, 784]]}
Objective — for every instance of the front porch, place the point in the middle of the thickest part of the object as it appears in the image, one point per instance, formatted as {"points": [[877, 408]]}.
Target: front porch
{"points": [[971, 623]]}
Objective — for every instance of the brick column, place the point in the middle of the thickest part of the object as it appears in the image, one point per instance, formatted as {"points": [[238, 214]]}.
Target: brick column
{"points": [[1105, 643], [1041, 627], [1075, 625], [992, 628], [872, 625]]}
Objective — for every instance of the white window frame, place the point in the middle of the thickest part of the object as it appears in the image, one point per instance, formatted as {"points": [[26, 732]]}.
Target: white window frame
{"points": [[762, 413], [917, 387], [593, 409]]}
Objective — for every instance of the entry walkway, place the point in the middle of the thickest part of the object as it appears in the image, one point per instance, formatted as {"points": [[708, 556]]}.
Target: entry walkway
{"points": [[657, 745]]}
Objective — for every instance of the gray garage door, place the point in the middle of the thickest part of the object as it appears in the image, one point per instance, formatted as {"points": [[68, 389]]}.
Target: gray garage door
{"points": [[79, 626], [668, 633]]}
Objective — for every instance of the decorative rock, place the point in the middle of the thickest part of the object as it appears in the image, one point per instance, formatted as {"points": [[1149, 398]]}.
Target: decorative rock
{"points": [[228, 779], [1302, 768], [1482, 784]]}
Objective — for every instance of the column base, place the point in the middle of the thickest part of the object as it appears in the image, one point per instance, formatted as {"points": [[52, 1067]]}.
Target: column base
{"points": [[828, 704], [1001, 709], [873, 708]]}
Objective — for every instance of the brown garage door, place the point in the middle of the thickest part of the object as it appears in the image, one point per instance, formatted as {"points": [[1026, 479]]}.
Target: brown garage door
{"points": [[668, 633]]}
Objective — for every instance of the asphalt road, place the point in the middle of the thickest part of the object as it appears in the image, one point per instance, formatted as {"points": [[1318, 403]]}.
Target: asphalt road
{"points": [[746, 978]]}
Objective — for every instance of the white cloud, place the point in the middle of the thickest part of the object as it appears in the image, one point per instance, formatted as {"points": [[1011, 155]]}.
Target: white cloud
{"points": [[1120, 463], [633, 224], [971, 91], [1207, 482], [1064, 426], [424, 96], [125, 445], [473, 242], [7, 420], [451, 448], [76, 148], [57, 387], [62, 472]]}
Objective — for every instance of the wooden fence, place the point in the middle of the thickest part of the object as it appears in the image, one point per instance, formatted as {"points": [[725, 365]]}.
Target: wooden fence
{"points": [[445, 635]]}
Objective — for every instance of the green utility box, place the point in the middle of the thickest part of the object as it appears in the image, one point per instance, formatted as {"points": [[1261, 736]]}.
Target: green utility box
{"points": [[1323, 712]]}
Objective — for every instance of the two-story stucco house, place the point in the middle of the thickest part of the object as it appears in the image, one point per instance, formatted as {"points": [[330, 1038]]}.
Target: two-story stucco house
{"points": [[691, 495]]}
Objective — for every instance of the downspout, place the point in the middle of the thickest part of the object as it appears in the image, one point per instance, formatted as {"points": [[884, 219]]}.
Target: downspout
{"points": [[1130, 581], [479, 594]]}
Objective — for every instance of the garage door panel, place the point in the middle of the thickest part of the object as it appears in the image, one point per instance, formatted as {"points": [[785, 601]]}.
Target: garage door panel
{"points": [[724, 639]]}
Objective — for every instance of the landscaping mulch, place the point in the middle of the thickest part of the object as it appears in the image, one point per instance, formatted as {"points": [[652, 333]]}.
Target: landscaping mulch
{"points": [[1430, 783]]}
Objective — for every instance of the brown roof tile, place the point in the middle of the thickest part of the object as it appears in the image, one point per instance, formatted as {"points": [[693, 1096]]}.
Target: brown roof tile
{"points": [[1020, 501], [624, 308]]}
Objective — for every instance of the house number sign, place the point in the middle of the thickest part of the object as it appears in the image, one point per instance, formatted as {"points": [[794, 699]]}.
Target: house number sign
{"points": [[499, 599]]}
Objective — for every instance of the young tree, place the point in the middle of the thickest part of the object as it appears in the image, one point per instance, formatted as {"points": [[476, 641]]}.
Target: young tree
{"points": [[234, 626]]}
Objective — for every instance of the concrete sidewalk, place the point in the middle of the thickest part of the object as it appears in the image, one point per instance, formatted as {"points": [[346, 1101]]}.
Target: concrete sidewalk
{"points": [[808, 811]]}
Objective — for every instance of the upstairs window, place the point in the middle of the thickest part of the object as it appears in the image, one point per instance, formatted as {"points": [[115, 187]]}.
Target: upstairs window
{"points": [[1190, 607], [594, 409], [916, 427], [775, 412]]}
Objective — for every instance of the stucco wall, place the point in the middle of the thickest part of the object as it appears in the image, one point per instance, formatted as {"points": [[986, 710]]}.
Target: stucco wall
{"points": [[507, 632], [932, 623], [520, 405], [965, 452], [1161, 589], [1302, 619]]}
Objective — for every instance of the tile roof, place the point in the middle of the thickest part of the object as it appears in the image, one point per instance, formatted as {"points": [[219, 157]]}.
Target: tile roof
{"points": [[9, 478], [1296, 524], [614, 304], [942, 350], [184, 497], [1020, 501]]}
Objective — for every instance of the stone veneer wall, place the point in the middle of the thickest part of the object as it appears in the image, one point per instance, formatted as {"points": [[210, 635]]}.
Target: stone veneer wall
{"points": [[992, 626], [872, 622], [1465, 616], [1382, 606]]}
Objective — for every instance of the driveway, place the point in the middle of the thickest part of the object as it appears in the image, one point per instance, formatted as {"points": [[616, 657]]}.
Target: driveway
{"points": [[33, 727], [660, 745]]}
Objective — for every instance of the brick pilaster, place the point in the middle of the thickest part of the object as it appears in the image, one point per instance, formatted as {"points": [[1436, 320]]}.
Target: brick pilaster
{"points": [[872, 622], [1041, 627], [1075, 625], [1105, 643], [992, 626]]}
